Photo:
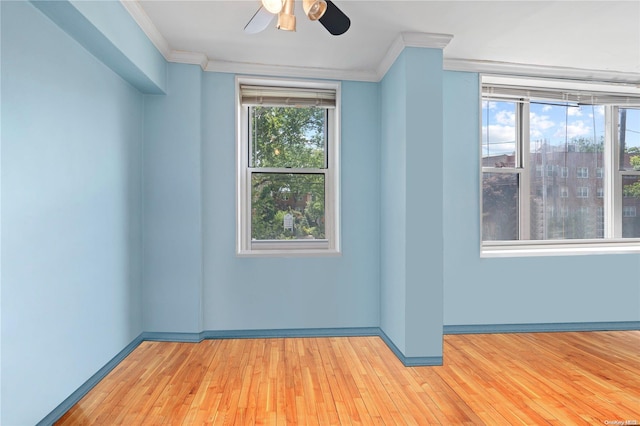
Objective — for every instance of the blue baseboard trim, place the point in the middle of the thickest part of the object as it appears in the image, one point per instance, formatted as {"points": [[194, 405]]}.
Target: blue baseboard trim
{"points": [[161, 336], [77, 395], [259, 334], [293, 332], [410, 361], [541, 328]]}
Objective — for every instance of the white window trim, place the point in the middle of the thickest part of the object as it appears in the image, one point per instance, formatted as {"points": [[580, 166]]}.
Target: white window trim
{"points": [[612, 243], [330, 246], [491, 249]]}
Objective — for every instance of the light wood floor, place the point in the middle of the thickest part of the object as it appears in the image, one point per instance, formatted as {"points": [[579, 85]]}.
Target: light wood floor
{"points": [[498, 379]]}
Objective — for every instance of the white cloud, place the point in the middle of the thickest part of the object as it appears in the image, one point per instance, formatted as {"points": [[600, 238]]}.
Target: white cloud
{"points": [[573, 130], [490, 105], [499, 134], [574, 112], [539, 124], [507, 118], [547, 108]]}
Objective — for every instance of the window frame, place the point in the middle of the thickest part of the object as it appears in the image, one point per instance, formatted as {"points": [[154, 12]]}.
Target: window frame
{"points": [[611, 179], [245, 246]]}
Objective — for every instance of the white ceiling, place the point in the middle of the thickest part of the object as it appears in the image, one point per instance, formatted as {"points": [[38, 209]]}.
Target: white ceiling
{"points": [[601, 36]]}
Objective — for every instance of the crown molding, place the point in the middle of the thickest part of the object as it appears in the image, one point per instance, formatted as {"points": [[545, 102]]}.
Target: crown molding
{"points": [[147, 26], [289, 71], [410, 39], [184, 57], [427, 40], [544, 71]]}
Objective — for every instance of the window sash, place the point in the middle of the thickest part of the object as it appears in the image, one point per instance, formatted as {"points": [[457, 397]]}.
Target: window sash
{"points": [[252, 142], [610, 176]]}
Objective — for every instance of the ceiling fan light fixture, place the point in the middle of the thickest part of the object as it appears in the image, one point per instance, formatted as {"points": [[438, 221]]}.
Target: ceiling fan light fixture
{"points": [[273, 6], [286, 18], [314, 9]]}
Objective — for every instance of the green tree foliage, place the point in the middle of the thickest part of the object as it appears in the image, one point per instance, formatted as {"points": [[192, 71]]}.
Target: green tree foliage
{"points": [[632, 190], [293, 138], [583, 144], [633, 150], [288, 137]]}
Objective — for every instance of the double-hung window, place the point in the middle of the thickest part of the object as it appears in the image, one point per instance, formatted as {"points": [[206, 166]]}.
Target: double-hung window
{"points": [[287, 167], [548, 147]]}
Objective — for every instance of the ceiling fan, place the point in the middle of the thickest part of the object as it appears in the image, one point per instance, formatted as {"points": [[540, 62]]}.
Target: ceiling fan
{"points": [[325, 11]]}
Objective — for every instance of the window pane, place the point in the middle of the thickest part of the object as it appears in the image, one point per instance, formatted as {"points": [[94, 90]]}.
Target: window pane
{"points": [[631, 207], [629, 137], [287, 137], [499, 206], [287, 206], [498, 134], [567, 142]]}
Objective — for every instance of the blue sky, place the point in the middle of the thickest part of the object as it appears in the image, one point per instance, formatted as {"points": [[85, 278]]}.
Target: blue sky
{"points": [[553, 124]]}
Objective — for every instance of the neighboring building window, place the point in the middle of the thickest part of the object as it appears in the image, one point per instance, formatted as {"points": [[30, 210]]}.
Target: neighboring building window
{"points": [[547, 132], [583, 173], [564, 192], [550, 170], [582, 192], [551, 211], [288, 177], [629, 211]]}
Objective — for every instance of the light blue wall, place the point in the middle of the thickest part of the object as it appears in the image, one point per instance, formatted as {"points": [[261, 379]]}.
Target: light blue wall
{"points": [[534, 290], [424, 255], [411, 209], [393, 200], [1, 36], [277, 293], [173, 204], [71, 211], [107, 30]]}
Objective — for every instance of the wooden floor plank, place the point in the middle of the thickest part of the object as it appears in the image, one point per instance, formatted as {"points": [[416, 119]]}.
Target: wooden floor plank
{"points": [[535, 378]]}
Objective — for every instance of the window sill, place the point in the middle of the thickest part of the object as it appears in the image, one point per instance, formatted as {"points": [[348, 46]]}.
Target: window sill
{"points": [[289, 253], [559, 248], [288, 248]]}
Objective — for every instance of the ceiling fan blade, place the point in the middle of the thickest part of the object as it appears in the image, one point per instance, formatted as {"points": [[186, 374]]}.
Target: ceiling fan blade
{"points": [[259, 22], [334, 20]]}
